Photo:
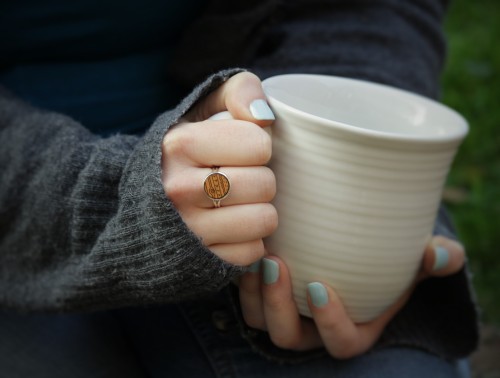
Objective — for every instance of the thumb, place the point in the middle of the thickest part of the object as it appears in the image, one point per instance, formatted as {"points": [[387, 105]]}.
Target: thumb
{"points": [[242, 95]]}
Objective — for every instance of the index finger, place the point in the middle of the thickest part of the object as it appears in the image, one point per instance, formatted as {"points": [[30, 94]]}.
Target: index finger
{"points": [[219, 143]]}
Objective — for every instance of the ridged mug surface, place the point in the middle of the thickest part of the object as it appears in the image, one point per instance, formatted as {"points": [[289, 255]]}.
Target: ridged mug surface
{"points": [[360, 169]]}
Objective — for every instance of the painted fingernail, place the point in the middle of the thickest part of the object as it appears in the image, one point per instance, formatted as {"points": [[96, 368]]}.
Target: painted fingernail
{"points": [[441, 258], [318, 294], [270, 271], [255, 267], [260, 110]]}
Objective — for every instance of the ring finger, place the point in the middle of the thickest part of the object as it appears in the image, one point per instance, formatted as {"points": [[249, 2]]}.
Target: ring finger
{"points": [[248, 185]]}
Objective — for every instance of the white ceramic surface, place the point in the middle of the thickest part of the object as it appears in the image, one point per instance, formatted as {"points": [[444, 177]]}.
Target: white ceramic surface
{"points": [[360, 169]]}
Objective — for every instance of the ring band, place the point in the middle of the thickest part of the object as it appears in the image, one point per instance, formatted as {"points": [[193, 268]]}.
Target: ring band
{"points": [[216, 186]]}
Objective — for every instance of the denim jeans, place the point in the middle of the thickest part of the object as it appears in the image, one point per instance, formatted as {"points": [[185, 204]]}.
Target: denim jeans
{"points": [[193, 340]]}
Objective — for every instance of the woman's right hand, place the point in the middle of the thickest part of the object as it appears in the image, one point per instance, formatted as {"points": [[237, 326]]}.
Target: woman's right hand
{"points": [[241, 148]]}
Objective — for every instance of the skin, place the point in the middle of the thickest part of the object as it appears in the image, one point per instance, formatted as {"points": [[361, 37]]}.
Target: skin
{"points": [[235, 231]]}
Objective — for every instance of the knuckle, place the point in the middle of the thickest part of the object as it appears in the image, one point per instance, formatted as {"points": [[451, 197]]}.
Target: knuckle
{"points": [[253, 253], [176, 189], [259, 251], [177, 143], [268, 186], [259, 143], [264, 147], [269, 219], [245, 254]]}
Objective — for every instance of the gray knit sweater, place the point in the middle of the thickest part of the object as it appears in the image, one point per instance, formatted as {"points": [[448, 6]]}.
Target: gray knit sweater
{"points": [[85, 223]]}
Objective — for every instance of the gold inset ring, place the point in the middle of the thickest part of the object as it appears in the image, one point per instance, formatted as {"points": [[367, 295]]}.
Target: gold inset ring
{"points": [[216, 186]]}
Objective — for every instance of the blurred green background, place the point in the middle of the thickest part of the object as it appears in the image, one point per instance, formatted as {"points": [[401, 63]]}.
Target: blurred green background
{"points": [[471, 85]]}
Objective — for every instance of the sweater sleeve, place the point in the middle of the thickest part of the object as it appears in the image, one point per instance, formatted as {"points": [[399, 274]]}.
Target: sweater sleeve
{"points": [[399, 43], [84, 221], [395, 42]]}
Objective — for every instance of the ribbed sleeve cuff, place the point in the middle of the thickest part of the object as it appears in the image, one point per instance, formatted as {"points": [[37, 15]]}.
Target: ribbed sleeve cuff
{"points": [[146, 253]]}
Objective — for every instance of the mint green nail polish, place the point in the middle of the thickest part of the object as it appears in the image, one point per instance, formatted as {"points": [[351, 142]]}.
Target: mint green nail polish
{"points": [[442, 256], [318, 294], [270, 271], [261, 111], [255, 267]]}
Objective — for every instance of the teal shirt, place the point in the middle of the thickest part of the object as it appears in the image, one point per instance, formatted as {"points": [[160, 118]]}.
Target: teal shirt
{"points": [[104, 63]]}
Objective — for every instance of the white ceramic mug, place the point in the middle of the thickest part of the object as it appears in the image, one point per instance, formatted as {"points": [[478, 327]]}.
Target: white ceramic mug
{"points": [[360, 169]]}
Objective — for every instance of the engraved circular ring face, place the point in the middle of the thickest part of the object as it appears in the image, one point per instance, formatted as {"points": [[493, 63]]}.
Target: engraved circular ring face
{"points": [[216, 186]]}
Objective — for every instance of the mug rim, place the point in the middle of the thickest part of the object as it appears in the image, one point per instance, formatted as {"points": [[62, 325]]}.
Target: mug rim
{"points": [[458, 134]]}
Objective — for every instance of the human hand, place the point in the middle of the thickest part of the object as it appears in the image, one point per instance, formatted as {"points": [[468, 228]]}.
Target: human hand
{"points": [[267, 304], [241, 148]]}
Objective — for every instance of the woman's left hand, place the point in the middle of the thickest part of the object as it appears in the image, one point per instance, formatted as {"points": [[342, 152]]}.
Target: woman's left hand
{"points": [[267, 304]]}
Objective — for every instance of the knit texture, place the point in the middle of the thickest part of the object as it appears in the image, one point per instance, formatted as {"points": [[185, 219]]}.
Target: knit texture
{"points": [[85, 222]]}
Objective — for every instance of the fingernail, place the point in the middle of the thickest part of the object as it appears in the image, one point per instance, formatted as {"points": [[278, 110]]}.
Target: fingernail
{"points": [[270, 271], [442, 256], [255, 267], [318, 294], [260, 110]]}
